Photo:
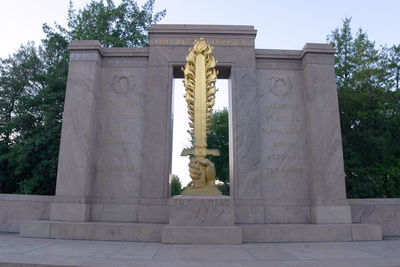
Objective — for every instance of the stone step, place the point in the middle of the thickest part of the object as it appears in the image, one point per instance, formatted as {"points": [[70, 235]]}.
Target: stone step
{"points": [[247, 233], [110, 231], [173, 234], [253, 233]]}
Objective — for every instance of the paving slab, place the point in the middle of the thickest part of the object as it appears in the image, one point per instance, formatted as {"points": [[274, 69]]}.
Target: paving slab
{"points": [[204, 252], [17, 251], [326, 251]]}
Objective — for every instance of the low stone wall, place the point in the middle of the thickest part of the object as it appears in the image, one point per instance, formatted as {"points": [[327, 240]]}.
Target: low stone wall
{"points": [[385, 212], [15, 209]]}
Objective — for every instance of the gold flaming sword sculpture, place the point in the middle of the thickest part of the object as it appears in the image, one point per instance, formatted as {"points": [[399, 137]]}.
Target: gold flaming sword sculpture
{"points": [[200, 77]]}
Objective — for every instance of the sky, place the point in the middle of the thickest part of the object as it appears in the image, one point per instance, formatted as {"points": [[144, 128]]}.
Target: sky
{"points": [[283, 24]]}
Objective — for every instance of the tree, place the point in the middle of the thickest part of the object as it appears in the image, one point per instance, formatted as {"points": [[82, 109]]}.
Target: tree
{"points": [[21, 79], [369, 114], [32, 89], [219, 139], [120, 26], [394, 65], [176, 186]]}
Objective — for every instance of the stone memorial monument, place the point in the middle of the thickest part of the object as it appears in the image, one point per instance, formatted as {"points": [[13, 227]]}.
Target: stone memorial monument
{"points": [[286, 160]]}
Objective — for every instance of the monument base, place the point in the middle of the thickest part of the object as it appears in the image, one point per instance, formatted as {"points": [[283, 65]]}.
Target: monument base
{"points": [[201, 211], [202, 191], [201, 234], [247, 233], [201, 220]]}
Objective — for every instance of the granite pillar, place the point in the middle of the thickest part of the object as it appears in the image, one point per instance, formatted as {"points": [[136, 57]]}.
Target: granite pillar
{"points": [[324, 143], [75, 164], [285, 194]]}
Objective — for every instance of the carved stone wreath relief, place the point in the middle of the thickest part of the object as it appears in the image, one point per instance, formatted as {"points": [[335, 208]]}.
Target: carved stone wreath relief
{"points": [[280, 86], [123, 84]]}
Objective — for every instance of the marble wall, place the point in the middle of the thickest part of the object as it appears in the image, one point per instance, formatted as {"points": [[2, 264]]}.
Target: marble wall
{"points": [[282, 124], [286, 159], [101, 152], [298, 175], [118, 143], [384, 212], [17, 209]]}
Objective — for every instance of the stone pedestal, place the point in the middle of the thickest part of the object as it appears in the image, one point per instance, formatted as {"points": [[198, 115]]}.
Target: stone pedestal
{"points": [[201, 220], [201, 211]]}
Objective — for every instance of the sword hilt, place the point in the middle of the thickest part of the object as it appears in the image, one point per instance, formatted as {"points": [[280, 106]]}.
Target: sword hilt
{"points": [[200, 152]]}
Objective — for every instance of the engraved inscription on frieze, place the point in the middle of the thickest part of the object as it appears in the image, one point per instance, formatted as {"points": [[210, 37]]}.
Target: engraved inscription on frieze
{"points": [[189, 41]]}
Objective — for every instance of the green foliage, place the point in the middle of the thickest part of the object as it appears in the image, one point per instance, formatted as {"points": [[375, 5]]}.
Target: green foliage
{"points": [[32, 90], [123, 25], [224, 188], [219, 139], [176, 186], [22, 80], [393, 60], [367, 79]]}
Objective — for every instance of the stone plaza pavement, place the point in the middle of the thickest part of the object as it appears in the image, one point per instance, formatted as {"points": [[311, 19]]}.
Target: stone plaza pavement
{"points": [[34, 252]]}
